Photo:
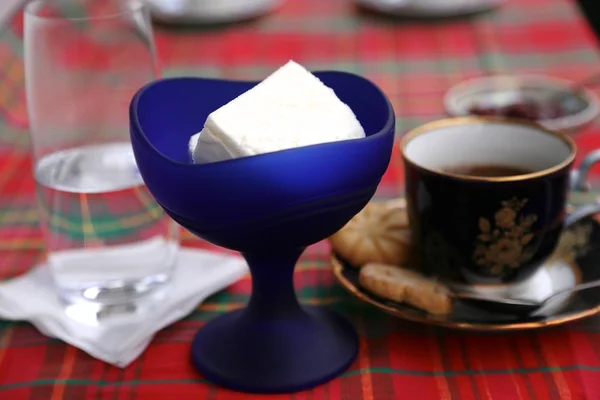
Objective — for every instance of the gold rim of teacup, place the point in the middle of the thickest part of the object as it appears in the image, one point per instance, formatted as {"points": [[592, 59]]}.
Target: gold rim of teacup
{"points": [[453, 121]]}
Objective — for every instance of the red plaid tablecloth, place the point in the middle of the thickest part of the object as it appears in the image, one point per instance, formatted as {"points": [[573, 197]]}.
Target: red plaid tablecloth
{"points": [[415, 63]]}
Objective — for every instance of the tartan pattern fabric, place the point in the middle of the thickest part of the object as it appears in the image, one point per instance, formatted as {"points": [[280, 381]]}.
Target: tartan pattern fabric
{"points": [[414, 62]]}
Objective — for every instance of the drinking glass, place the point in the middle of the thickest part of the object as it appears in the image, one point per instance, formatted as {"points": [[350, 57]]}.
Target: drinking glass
{"points": [[107, 240]]}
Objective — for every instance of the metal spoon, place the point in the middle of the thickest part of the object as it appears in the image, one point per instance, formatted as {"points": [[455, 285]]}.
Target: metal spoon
{"points": [[520, 307]]}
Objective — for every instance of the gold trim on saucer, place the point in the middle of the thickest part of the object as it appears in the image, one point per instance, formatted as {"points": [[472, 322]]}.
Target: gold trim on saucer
{"points": [[446, 122], [443, 322]]}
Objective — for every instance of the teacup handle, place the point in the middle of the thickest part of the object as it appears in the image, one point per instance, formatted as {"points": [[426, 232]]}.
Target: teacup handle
{"points": [[579, 183]]}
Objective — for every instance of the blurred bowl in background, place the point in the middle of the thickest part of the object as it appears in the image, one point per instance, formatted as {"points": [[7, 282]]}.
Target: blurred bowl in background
{"points": [[429, 8], [549, 101], [209, 11]]}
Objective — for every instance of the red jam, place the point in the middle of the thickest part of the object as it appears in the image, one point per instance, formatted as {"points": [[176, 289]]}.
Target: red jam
{"points": [[522, 109]]}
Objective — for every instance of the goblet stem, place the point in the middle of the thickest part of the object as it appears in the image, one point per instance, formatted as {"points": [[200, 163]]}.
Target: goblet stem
{"points": [[274, 345], [273, 294]]}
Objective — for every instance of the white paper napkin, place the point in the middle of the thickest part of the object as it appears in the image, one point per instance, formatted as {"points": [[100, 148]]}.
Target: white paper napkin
{"points": [[116, 335]]}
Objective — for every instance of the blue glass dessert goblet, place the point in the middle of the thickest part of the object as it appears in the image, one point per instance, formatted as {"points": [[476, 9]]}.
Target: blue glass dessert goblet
{"points": [[269, 207]]}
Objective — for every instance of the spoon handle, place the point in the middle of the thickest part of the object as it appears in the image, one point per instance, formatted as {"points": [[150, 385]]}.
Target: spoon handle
{"points": [[576, 288]]}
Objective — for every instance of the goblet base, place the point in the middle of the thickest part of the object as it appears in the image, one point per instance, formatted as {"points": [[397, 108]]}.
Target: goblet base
{"points": [[249, 352]]}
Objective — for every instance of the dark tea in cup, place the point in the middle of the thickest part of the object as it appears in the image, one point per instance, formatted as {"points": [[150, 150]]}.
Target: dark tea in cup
{"points": [[487, 170]]}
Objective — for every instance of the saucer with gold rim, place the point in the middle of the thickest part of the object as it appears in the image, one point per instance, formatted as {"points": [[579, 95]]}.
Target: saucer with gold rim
{"points": [[575, 261]]}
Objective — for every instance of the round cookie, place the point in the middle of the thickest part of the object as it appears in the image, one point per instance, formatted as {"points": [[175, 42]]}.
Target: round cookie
{"points": [[378, 234]]}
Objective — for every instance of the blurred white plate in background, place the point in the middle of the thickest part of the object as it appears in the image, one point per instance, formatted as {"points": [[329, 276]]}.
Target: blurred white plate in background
{"points": [[209, 11], [429, 8]]}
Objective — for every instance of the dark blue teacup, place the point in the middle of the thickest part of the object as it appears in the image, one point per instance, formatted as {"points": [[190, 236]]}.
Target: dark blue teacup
{"points": [[486, 197]]}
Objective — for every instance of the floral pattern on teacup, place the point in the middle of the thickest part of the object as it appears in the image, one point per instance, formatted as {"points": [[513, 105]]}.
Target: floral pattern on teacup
{"points": [[502, 243]]}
